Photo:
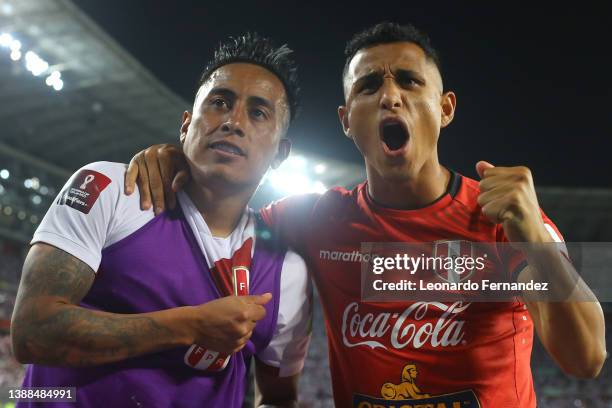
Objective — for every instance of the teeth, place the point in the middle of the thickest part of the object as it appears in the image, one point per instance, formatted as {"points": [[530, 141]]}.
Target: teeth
{"points": [[227, 148]]}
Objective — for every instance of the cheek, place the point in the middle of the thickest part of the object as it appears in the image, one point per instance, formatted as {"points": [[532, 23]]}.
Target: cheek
{"points": [[362, 117], [264, 147], [429, 112]]}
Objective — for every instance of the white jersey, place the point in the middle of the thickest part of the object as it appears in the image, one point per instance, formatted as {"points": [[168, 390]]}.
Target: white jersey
{"points": [[106, 216]]}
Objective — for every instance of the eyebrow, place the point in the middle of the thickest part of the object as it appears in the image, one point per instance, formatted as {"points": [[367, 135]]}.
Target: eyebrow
{"points": [[410, 72], [259, 101], [376, 74], [254, 100], [223, 92]]}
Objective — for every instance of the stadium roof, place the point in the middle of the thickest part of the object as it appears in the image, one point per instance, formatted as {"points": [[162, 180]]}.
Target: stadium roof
{"points": [[109, 106]]}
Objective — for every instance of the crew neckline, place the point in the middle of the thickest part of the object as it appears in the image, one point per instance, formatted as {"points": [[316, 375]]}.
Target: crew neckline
{"points": [[452, 189]]}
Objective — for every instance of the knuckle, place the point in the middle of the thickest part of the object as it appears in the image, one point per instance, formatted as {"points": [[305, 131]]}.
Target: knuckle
{"points": [[149, 152], [514, 198], [163, 153], [524, 173]]}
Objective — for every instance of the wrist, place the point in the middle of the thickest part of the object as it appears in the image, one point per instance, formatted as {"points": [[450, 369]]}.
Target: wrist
{"points": [[538, 234], [182, 322]]}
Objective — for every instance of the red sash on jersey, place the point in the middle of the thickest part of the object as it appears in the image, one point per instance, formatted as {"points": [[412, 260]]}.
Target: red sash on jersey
{"points": [[231, 277]]}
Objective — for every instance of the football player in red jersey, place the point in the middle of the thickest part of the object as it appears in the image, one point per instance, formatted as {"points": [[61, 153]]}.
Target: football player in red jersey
{"points": [[438, 354]]}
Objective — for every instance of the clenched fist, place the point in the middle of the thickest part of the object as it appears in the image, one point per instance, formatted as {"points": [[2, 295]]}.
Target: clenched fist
{"points": [[508, 197], [226, 324]]}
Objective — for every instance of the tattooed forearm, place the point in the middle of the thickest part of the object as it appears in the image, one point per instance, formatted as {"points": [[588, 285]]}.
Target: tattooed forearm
{"points": [[48, 328]]}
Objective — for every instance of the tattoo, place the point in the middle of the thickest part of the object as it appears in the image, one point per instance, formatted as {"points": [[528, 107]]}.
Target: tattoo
{"points": [[49, 328]]}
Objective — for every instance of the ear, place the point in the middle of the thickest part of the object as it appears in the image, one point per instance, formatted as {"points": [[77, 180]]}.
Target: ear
{"points": [[284, 148], [343, 116], [448, 104], [185, 121]]}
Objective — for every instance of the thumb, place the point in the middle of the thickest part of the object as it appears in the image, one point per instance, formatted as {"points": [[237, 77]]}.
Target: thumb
{"points": [[260, 299], [481, 166]]}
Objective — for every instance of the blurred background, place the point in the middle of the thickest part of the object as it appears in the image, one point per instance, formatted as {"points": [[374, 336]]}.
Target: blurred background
{"points": [[90, 80]]}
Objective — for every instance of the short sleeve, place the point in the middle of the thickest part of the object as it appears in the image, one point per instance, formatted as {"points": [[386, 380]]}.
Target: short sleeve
{"points": [[291, 217], [78, 220], [514, 259]]}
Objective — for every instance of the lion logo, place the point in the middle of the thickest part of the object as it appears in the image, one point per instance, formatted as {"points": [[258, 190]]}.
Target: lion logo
{"points": [[406, 389]]}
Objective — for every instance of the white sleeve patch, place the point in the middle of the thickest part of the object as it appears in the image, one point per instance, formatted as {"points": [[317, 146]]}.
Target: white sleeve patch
{"points": [[553, 233], [289, 344], [88, 211]]}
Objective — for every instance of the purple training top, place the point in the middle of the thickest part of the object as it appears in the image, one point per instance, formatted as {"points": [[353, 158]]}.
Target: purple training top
{"points": [[160, 266]]}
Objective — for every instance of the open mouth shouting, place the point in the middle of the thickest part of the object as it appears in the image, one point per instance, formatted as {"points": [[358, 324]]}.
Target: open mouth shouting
{"points": [[394, 136]]}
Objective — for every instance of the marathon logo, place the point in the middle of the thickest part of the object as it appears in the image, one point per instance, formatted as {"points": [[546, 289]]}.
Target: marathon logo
{"points": [[352, 256], [84, 190], [461, 399]]}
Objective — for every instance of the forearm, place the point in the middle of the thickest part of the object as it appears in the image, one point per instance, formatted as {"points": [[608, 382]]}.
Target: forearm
{"points": [[572, 328], [573, 334], [69, 335], [272, 390]]}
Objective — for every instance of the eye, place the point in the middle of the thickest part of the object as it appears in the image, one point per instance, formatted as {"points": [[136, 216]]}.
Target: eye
{"points": [[258, 114], [219, 103], [370, 85], [406, 80]]}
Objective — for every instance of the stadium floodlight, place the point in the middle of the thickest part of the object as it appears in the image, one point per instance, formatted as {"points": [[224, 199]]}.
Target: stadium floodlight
{"points": [[294, 162], [320, 168], [35, 64], [293, 177], [289, 182], [6, 39], [21, 215], [7, 9], [58, 85], [27, 183], [34, 219], [55, 80], [4, 174], [36, 200], [319, 187]]}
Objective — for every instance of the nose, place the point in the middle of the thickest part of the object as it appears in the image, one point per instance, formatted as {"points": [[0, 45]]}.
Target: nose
{"points": [[229, 127], [391, 97], [233, 124]]}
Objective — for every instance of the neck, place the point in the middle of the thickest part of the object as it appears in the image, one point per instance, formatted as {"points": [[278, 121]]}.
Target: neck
{"points": [[418, 190], [221, 209]]}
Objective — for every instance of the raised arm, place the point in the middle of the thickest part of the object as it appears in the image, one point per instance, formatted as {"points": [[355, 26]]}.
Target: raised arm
{"points": [[159, 172]]}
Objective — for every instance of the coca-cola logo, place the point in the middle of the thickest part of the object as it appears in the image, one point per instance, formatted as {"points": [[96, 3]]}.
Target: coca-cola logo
{"points": [[407, 329]]}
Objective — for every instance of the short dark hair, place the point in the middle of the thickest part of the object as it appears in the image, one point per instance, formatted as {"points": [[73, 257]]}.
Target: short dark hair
{"points": [[254, 49], [387, 32]]}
